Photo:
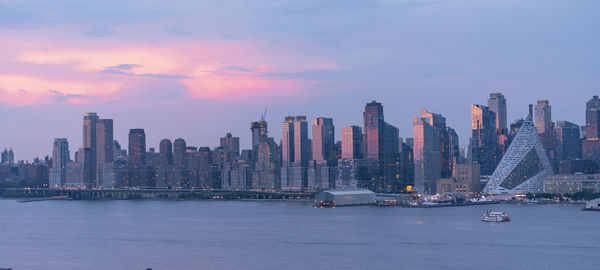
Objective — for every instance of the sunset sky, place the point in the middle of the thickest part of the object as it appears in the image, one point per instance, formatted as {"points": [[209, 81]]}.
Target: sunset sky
{"points": [[199, 69]]}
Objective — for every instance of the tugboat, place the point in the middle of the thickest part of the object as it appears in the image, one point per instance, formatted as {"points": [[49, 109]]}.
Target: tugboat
{"points": [[493, 216]]}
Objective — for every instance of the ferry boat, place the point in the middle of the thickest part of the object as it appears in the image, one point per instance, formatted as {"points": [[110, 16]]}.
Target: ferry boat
{"points": [[322, 204], [493, 216]]}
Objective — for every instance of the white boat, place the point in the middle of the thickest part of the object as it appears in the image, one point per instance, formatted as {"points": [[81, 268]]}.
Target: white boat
{"points": [[493, 216]]}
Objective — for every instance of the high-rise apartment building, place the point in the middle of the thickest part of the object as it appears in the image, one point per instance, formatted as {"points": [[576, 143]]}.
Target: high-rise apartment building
{"points": [[373, 128], [259, 132], [104, 145], [165, 163], [483, 147], [323, 140], [179, 163], [90, 138], [543, 116], [60, 159], [592, 118], [204, 167], [137, 148], [296, 153], [104, 141], [287, 141], [568, 140], [497, 104], [590, 147], [98, 137], [165, 153], [447, 150], [301, 142], [231, 144], [79, 173], [352, 142], [427, 155], [8, 156], [427, 150]]}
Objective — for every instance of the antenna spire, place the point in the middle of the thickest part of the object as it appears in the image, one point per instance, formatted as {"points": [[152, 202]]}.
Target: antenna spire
{"points": [[263, 115]]}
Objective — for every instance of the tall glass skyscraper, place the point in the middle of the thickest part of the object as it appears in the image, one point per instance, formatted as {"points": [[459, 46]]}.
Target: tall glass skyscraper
{"points": [[60, 158], [352, 142], [426, 153], [543, 116], [137, 148], [89, 139], [592, 118], [373, 127], [323, 140], [484, 139], [497, 104]]}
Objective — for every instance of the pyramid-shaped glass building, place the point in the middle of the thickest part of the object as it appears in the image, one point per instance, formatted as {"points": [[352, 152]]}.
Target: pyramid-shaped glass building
{"points": [[523, 167]]}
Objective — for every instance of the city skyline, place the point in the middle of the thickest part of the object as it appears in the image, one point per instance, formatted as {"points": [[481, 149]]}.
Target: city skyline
{"points": [[164, 62], [246, 138], [270, 134]]}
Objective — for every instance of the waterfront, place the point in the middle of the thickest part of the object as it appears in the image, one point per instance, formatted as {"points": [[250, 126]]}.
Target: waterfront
{"points": [[291, 235]]}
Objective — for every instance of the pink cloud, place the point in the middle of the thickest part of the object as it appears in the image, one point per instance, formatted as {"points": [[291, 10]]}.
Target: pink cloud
{"points": [[207, 68]]}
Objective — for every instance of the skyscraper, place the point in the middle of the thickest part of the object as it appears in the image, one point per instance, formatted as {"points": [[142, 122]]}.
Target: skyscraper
{"points": [[352, 142], [543, 116], [374, 126], [497, 104], [165, 163], [137, 148], [483, 147], [323, 140], [590, 147], [391, 148], [60, 158], [104, 141], [8, 156], [592, 118], [192, 167], [287, 141], [204, 167], [427, 155], [166, 152], [179, 163], [569, 142], [438, 122], [104, 145], [259, 132], [267, 172], [79, 173], [90, 138], [301, 143], [231, 144], [453, 149], [523, 167], [179, 147], [296, 152]]}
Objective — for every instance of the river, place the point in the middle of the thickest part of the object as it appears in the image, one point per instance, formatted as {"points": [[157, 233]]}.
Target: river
{"points": [[291, 235]]}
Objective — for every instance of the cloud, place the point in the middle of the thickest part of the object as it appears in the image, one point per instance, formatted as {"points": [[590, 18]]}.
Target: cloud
{"points": [[125, 66], [128, 70], [239, 69], [33, 89], [62, 98], [100, 32], [108, 68]]}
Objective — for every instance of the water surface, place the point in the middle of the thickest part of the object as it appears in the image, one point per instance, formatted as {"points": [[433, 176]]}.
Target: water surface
{"points": [[291, 235]]}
